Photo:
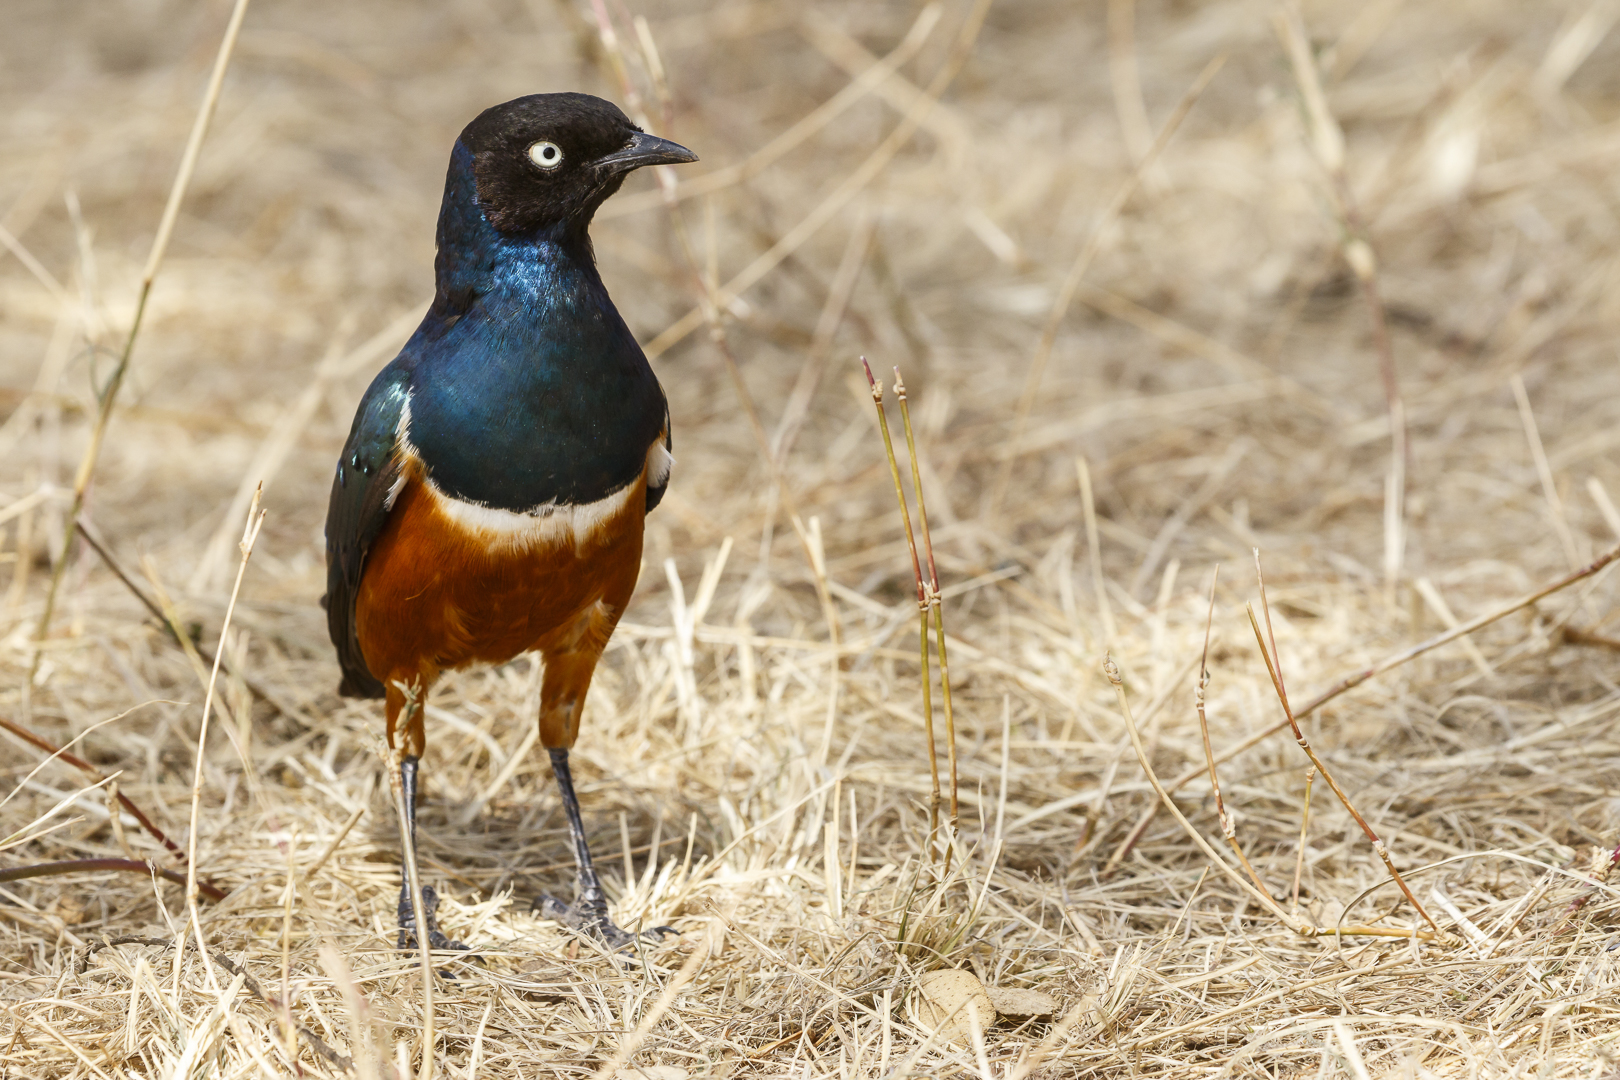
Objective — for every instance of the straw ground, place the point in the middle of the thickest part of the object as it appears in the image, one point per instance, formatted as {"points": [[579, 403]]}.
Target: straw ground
{"points": [[1362, 192]]}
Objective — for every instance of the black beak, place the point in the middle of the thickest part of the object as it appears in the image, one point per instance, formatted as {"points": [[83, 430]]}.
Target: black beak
{"points": [[645, 149]]}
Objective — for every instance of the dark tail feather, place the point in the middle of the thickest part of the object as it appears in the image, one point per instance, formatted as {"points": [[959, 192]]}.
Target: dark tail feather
{"points": [[360, 684]]}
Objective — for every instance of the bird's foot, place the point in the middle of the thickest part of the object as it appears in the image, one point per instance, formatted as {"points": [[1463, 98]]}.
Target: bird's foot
{"points": [[589, 916], [407, 921]]}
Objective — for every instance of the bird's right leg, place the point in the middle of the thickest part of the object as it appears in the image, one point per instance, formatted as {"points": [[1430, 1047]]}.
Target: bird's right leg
{"points": [[414, 740]]}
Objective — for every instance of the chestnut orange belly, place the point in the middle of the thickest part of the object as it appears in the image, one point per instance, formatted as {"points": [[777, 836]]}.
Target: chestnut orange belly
{"points": [[448, 584]]}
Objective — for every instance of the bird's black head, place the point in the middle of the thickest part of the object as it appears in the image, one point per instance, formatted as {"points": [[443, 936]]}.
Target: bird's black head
{"points": [[551, 159]]}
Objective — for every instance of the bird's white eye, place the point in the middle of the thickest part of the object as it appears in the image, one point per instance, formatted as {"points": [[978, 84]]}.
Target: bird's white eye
{"points": [[547, 155]]}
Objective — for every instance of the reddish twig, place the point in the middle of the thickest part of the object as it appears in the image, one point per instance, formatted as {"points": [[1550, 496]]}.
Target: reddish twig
{"points": [[80, 866], [1228, 827], [90, 770]]}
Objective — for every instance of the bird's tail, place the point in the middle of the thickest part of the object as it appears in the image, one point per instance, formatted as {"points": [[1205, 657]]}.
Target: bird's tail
{"points": [[360, 684]]}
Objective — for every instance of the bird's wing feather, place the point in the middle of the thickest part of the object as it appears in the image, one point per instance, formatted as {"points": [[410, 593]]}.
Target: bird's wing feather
{"points": [[363, 493]]}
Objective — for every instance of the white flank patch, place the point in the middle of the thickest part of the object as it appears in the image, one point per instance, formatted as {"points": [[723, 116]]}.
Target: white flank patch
{"points": [[659, 463]]}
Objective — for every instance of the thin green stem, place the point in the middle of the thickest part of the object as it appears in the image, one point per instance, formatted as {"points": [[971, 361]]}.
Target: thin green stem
{"points": [[922, 607], [931, 594]]}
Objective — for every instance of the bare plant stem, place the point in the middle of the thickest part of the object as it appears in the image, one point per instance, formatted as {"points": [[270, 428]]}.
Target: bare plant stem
{"points": [[1089, 505], [289, 1031], [1228, 827], [932, 594], [926, 677], [1203, 719], [1268, 649], [154, 260], [1538, 454]]}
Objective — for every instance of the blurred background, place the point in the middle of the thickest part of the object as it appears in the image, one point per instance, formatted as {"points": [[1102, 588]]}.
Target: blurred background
{"points": [[1200, 253]]}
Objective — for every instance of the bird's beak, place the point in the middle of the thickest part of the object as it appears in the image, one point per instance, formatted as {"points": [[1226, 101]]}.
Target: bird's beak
{"points": [[645, 149]]}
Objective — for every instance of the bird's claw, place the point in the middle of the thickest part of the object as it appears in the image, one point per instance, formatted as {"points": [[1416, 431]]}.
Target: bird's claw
{"points": [[407, 922], [589, 916]]}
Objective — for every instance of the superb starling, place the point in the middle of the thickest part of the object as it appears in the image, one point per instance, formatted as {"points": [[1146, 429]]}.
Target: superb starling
{"points": [[491, 496]]}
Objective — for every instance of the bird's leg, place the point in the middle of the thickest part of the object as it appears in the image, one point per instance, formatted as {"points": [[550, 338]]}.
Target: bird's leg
{"points": [[430, 899], [569, 663], [588, 913], [589, 909]]}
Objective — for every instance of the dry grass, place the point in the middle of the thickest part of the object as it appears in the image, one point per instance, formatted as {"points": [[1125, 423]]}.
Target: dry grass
{"points": [[1218, 372]]}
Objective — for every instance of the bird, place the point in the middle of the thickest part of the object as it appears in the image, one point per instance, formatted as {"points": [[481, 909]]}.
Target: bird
{"points": [[491, 496]]}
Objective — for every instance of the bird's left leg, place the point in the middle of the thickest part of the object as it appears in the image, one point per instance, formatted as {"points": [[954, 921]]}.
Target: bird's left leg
{"points": [[562, 696]]}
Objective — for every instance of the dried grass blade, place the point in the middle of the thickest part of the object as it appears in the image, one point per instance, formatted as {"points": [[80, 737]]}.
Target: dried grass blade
{"points": [[632, 1042], [1273, 668], [154, 260], [1355, 679], [1549, 487], [250, 534], [1327, 141], [852, 185], [1260, 896], [1082, 263]]}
